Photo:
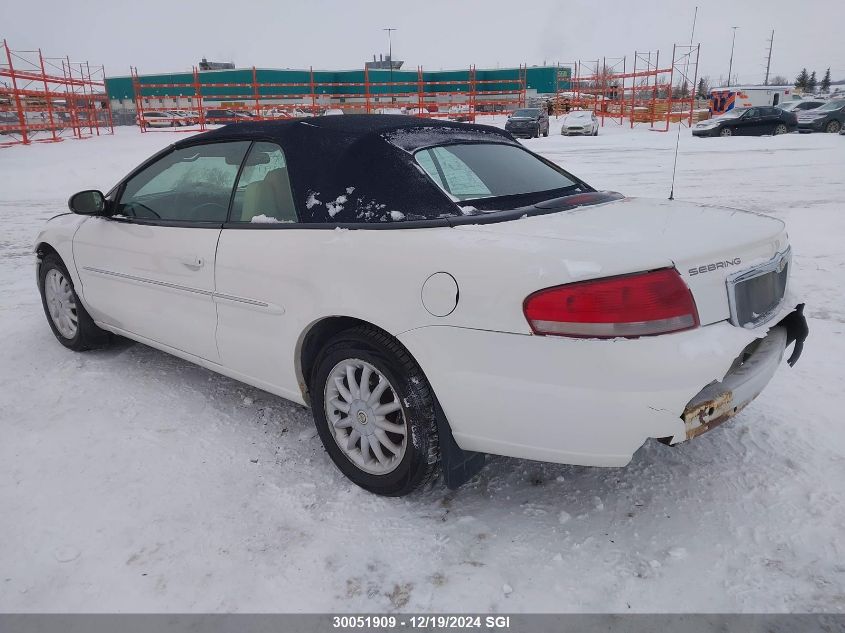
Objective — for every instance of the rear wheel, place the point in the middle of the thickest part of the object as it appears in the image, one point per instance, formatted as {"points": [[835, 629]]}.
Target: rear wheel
{"points": [[374, 411], [726, 131], [780, 129], [833, 127], [71, 324]]}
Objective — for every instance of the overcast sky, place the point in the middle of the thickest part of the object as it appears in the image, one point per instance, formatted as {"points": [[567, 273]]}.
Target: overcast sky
{"points": [[157, 35]]}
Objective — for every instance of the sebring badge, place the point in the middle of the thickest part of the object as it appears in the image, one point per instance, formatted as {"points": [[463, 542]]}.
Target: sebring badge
{"points": [[707, 268]]}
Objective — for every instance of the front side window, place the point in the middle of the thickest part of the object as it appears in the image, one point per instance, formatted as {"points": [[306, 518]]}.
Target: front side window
{"points": [[486, 170], [193, 184], [263, 194]]}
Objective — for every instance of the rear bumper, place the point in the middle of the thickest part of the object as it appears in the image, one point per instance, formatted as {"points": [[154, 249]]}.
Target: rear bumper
{"points": [[592, 402], [720, 401]]}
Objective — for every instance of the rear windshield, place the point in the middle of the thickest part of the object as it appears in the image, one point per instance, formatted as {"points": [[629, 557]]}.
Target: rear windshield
{"points": [[488, 170], [831, 105]]}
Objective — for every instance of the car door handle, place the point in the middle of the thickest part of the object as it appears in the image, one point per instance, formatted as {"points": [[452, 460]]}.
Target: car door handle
{"points": [[193, 262]]}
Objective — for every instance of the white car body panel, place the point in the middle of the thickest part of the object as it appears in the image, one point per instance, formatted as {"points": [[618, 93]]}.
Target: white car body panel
{"points": [[503, 389], [155, 281]]}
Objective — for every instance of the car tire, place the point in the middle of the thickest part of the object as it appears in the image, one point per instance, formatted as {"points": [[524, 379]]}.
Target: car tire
{"points": [[71, 324], [411, 454], [780, 128], [596, 132], [725, 131], [546, 133], [833, 127]]}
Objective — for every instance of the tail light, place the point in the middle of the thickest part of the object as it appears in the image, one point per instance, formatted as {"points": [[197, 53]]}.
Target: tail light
{"points": [[642, 304]]}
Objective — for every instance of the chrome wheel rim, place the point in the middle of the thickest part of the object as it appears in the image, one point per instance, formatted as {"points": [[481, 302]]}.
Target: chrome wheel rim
{"points": [[365, 416], [725, 132], [61, 303], [780, 129]]}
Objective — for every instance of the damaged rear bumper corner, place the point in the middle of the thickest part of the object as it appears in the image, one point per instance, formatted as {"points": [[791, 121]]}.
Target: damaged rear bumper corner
{"points": [[719, 401]]}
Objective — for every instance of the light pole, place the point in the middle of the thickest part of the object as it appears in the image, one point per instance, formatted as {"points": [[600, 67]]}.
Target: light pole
{"points": [[390, 59], [731, 63]]}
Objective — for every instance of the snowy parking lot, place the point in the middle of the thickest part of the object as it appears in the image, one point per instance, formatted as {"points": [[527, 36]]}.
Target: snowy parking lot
{"points": [[134, 481]]}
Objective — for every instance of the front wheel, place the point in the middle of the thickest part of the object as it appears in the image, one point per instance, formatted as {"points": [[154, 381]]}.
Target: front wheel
{"points": [[833, 127], [70, 322], [726, 132], [374, 411]]}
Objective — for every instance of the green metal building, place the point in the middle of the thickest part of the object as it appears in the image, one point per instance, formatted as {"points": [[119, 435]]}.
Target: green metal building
{"points": [[332, 87]]}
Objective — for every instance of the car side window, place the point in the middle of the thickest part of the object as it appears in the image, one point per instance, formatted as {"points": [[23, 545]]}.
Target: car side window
{"points": [[263, 194], [193, 184], [451, 173], [752, 113]]}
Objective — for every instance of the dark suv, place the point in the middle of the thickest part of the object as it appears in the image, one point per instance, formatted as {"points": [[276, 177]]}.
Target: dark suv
{"points": [[528, 123], [828, 118], [756, 121]]}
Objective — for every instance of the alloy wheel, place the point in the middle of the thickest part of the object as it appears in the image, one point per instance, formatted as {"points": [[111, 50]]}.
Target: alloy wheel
{"points": [[61, 303], [366, 416]]}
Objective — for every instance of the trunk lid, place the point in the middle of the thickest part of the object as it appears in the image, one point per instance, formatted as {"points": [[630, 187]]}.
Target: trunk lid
{"points": [[706, 244]]}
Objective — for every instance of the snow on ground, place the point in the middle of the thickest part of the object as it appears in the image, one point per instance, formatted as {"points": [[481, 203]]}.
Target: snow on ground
{"points": [[134, 481]]}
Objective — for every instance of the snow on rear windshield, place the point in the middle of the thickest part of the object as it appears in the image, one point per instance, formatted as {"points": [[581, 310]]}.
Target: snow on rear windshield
{"points": [[485, 170]]}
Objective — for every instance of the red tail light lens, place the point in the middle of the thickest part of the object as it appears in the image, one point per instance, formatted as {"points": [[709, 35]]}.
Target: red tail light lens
{"points": [[628, 306]]}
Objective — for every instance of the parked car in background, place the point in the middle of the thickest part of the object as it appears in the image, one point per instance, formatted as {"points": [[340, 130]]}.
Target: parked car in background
{"points": [[225, 116], [416, 111], [185, 117], [827, 118], [158, 119], [756, 121], [333, 112], [459, 113], [588, 332], [528, 123], [801, 105], [277, 113], [388, 111], [580, 122]]}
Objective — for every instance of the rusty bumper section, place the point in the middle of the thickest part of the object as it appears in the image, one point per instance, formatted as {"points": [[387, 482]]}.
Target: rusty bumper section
{"points": [[719, 401]]}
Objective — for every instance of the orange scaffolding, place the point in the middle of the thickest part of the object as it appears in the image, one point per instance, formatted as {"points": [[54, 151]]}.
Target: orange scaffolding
{"points": [[647, 94], [202, 101], [46, 99]]}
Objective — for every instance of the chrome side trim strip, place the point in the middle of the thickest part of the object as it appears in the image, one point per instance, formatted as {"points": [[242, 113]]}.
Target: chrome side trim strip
{"points": [[153, 282], [165, 284]]}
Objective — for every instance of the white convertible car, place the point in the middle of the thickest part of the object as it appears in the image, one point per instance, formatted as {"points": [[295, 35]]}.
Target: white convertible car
{"points": [[433, 291]]}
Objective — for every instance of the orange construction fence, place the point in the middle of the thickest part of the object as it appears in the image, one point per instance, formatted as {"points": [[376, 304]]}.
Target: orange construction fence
{"points": [[46, 99], [645, 94]]}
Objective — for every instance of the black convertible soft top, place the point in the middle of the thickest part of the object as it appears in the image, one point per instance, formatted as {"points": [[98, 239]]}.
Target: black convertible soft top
{"points": [[360, 168]]}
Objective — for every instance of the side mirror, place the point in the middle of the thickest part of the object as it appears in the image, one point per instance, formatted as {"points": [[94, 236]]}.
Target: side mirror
{"points": [[90, 202]]}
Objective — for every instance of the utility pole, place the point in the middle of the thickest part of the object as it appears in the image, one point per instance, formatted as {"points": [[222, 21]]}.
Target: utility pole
{"points": [[769, 60], [731, 64], [390, 59]]}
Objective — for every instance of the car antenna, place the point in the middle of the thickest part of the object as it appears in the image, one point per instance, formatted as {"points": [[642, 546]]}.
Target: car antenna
{"points": [[678, 138]]}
